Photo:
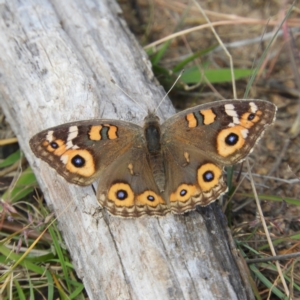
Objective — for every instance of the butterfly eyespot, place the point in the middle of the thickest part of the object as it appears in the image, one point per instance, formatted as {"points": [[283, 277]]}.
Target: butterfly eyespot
{"points": [[183, 193], [208, 176], [149, 198], [57, 147], [251, 116], [54, 145], [78, 161], [249, 119], [231, 139], [121, 194]]}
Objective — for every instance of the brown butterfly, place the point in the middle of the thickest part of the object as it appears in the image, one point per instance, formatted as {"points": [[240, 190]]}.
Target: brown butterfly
{"points": [[158, 168]]}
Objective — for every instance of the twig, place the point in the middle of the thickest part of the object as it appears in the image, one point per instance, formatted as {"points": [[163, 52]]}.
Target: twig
{"points": [[272, 258]]}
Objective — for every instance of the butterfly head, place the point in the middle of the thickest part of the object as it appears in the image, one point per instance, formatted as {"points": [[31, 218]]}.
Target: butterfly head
{"points": [[151, 119]]}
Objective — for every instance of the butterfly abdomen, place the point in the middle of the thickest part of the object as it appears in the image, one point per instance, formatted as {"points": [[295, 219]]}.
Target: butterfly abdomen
{"points": [[157, 166]]}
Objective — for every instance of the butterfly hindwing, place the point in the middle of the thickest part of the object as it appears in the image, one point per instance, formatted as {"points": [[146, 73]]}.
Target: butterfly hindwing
{"points": [[127, 187]]}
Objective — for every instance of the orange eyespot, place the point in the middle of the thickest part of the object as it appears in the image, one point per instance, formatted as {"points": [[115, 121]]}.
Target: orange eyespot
{"points": [[58, 147], [150, 198], [208, 176], [80, 162], [231, 139], [121, 194], [183, 193], [248, 119]]}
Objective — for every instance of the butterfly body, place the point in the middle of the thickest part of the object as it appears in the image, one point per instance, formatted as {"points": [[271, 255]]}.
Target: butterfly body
{"points": [[157, 168]]}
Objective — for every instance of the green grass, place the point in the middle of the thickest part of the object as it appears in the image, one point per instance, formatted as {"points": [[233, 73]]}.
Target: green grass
{"points": [[34, 266]]}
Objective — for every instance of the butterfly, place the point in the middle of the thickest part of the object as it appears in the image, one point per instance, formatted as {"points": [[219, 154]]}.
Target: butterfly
{"points": [[158, 168]]}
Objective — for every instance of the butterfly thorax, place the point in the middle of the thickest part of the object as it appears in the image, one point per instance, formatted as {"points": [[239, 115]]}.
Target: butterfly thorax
{"points": [[154, 154]]}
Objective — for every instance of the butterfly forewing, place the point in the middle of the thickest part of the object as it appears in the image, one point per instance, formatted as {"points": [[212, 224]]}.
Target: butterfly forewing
{"points": [[80, 150], [226, 131]]}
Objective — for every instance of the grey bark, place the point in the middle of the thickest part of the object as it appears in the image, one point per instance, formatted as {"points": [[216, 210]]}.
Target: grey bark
{"points": [[57, 61]]}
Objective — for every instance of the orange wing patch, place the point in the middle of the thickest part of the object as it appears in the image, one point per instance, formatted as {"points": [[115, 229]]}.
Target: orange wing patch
{"points": [[94, 133], [192, 121], [112, 132], [208, 116]]}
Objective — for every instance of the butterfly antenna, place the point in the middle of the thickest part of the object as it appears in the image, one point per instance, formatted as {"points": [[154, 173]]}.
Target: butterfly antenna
{"points": [[180, 74], [127, 95]]}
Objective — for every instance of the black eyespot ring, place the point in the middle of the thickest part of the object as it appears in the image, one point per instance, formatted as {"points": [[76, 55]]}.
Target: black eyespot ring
{"points": [[208, 176], [121, 194], [251, 117], [150, 198], [183, 192], [78, 161], [231, 139], [54, 145]]}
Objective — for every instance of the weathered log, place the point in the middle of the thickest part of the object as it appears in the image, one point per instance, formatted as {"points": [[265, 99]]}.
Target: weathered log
{"points": [[57, 62]]}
